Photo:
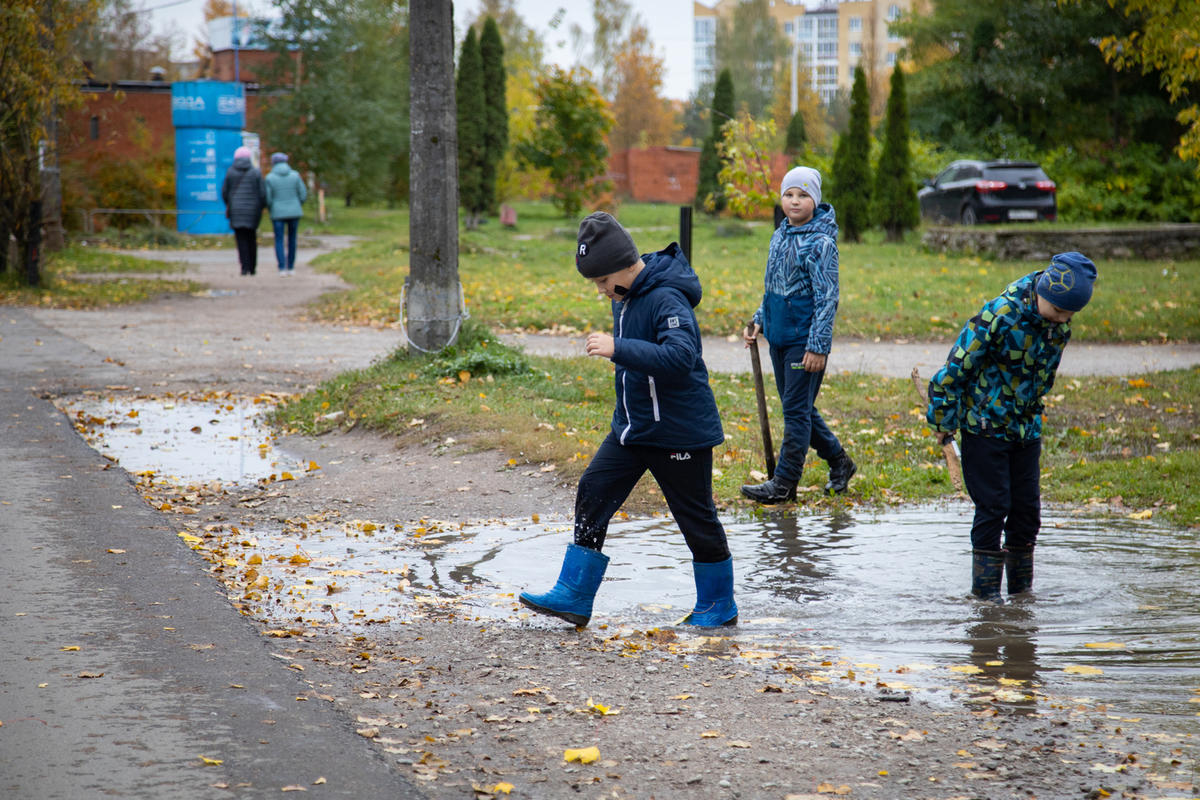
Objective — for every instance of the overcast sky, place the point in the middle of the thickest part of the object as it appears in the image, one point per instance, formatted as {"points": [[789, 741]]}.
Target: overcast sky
{"points": [[669, 21]]}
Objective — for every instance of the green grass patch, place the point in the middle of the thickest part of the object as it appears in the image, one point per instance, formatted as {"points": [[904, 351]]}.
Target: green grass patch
{"points": [[63, 287], [1109, 443], [524, 278]]}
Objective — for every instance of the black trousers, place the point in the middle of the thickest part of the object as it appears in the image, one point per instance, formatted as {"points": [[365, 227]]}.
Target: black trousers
{"points": [[685, 477], [1003, 479], [247, 247]]}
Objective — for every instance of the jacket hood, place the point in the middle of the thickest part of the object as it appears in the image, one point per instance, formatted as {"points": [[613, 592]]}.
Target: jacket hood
{"points": [[242, 163], [281, 168], [668, 267], [824, 220]]}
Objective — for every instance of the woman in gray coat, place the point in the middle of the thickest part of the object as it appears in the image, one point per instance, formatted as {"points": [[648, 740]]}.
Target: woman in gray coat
{"points": [[245, 196]]}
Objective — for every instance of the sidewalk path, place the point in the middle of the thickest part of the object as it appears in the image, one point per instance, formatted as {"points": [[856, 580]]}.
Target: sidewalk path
{"points": [[896, 359], [122, 662]]}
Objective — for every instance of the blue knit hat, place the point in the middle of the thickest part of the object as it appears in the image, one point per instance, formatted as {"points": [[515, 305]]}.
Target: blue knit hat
{"points": [[1067, 282], [279, 158]]}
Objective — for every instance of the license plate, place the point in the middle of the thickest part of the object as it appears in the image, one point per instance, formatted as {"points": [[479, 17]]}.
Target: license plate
{"points": [[1021, 213]]}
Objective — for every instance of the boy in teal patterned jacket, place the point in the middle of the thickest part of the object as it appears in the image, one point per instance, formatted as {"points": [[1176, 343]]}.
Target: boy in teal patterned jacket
{"points": [[991, 389]]}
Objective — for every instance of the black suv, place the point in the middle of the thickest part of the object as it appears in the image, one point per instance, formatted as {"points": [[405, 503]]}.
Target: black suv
{"points": [[971, 192]]}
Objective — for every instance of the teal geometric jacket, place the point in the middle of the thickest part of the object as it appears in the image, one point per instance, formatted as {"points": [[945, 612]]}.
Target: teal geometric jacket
{"points": [[999, 368]]}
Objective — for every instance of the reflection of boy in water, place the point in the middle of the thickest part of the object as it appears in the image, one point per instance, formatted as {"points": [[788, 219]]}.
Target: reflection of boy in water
{"points": [[665, 421], [991, 387]]}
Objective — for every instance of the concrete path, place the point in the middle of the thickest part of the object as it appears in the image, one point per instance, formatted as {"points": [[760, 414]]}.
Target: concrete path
{"points": [[897, 359], [121, 662]]}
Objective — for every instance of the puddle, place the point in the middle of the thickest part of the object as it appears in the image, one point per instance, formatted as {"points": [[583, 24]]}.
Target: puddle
{"points": [[215, 438], [877, 599]]}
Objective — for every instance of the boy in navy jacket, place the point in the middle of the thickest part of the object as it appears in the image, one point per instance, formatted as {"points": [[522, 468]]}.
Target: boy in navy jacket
{"points": [[665, 421]]}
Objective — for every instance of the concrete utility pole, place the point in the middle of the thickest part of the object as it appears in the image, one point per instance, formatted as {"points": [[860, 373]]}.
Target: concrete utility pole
{"points": [[432, 288]]}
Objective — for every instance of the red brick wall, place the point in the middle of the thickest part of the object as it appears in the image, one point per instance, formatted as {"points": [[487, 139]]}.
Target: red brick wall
{"points": [[656, 174], [119, 113]]}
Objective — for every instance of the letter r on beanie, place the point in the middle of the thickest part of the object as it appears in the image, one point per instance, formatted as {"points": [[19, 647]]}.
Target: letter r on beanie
{"points": [[604, 246], [1067, 282]]}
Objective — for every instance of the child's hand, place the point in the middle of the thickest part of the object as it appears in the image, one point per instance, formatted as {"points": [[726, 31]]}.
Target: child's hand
{"points": [[750, 335], [599, 344], [813, 362]]}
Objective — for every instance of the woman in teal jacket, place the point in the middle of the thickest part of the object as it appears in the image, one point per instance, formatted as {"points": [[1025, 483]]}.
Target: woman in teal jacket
{"points": [[286, 194]]}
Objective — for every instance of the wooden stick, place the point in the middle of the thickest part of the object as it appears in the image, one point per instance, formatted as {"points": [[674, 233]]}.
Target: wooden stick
{"points": [[949, 448], [763, 422]]}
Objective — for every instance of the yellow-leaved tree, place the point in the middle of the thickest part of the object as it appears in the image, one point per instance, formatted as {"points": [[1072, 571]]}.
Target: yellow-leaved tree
{"points": [[746, 146]]}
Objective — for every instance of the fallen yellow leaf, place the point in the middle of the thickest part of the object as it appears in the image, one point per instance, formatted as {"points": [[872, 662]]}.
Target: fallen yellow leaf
{"points": [[211, 762], [584, 755], [1079, 669], [1106, 645], [69, 647]]}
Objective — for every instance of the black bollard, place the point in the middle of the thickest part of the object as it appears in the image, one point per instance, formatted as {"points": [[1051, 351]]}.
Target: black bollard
{"points": [[685, 232]]}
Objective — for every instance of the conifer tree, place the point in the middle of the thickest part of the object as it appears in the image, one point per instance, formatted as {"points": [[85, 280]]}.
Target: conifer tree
{"points": [[472, 113], [797, 137], [495, 91], [895, 192], [851, 195], [708, 191]]}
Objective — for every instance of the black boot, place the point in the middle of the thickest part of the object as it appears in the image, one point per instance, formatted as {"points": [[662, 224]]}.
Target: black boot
{"points": [[987, 570], [841, 470], [1018, 563], [776, 490]]}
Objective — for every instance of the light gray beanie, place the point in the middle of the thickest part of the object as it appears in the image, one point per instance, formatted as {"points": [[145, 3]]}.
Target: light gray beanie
{"points": [[806, 179]]}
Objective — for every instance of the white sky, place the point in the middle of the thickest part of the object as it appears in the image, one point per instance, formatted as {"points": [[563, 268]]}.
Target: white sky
{"points": [[669, 21]]}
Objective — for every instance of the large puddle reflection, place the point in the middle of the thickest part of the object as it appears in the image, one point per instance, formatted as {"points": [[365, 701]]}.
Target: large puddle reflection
{"points": [[878, 598]]}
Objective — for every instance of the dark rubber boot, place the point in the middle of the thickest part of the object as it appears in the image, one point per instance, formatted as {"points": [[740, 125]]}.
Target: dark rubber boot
{"points": [[1018, 563], [714, 595], [776, 490], [841, 470], [572, 596], [987, 570]]}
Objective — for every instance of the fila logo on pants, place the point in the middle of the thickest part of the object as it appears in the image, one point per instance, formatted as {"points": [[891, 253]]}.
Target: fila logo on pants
{"points": [[681, 456]]}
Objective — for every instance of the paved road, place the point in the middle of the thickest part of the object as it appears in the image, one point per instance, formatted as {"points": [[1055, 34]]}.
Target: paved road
{"points": [[165, 671], [896, 359]]}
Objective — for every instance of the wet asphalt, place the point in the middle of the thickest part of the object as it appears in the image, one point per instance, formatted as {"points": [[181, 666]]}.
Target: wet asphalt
{"points": [[121, 665]]}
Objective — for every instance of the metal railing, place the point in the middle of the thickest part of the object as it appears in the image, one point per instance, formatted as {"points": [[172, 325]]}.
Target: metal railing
{"points": [[151, 215]]}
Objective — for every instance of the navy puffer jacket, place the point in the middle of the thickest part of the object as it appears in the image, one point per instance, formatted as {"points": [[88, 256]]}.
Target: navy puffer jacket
{"points": [[244, 194], [663, 396]]}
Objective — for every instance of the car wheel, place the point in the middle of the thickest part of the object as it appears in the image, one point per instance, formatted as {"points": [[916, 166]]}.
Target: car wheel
{"points": [[968, 216]]}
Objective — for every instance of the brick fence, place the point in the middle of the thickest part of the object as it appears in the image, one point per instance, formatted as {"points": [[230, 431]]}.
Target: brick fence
{"points": [[1152, 242]]}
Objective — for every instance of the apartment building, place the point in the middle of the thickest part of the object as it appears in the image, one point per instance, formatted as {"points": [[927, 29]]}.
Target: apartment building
{"points": [[828, 40]]}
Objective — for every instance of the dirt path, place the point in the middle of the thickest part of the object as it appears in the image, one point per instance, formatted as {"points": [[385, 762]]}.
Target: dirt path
{"points": [[475, 707]]}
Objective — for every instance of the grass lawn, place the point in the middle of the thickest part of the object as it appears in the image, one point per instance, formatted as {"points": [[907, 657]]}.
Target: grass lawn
{"points": [[111, 279], [1111, 445]]}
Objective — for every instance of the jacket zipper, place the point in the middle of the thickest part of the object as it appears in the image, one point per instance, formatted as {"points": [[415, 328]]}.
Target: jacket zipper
{"points": [[624, 373], [654, 399]]}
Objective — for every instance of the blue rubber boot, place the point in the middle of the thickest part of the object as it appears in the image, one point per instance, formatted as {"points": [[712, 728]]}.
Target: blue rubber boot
{"points": [[714, 595], [1018, 565], [987, 570], [571, 598]]}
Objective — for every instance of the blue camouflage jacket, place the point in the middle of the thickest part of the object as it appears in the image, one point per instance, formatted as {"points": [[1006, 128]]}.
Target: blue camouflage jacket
{"points": [[800, 296], [999, 368], [663, 396]]}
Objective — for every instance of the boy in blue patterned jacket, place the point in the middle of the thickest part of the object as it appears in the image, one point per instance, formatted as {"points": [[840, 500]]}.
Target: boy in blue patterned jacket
{"points": [[800, 300], [665, 420], [991, 388]]}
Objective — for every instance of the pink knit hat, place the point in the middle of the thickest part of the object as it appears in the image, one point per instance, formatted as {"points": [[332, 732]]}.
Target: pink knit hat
{"points": [[242, 152]]}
